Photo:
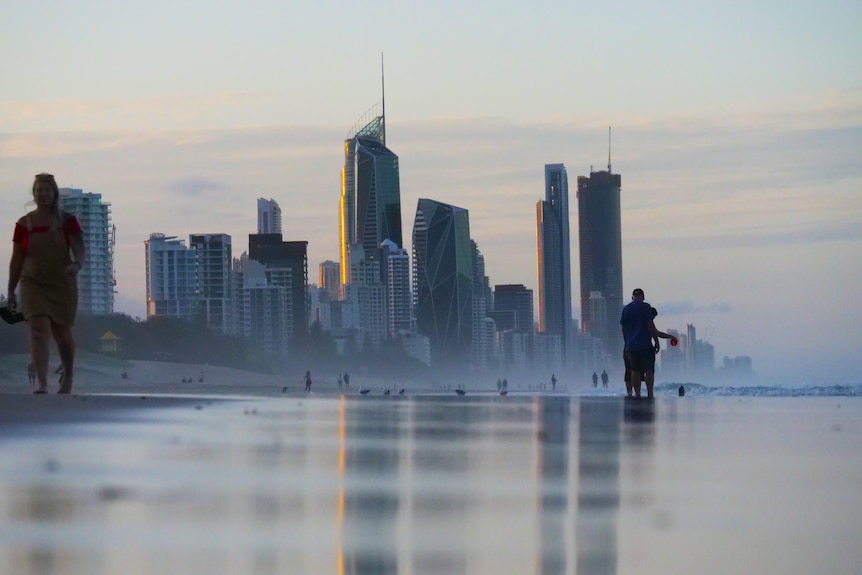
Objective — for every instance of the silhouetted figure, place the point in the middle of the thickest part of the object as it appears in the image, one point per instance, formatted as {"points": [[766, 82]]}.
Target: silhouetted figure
{"points": [[499, 384], [682, 391], [401, 391], [505, 384], [347, 379], [340, 381], [307, 380], [595, 379], [125, 375], [553, 382], [604, 378]]}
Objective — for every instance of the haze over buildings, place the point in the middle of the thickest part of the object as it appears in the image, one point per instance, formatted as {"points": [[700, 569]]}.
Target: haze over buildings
{"points": [[740, 170]]}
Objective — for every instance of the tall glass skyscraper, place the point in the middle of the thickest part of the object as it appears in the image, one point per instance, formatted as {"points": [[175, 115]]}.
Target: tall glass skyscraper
{"points": [[600, 239], [553, 246], [443, 280], [370, 210]]}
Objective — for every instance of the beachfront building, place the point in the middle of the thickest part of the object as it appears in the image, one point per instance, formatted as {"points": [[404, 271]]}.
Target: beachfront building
{"points": [[96, 280], [260, 310], [286, 266], [443, 281], [601, 267], [554, 257], [268, 216], [513, 308], [214, 259], [369, 224], [172, 281]]}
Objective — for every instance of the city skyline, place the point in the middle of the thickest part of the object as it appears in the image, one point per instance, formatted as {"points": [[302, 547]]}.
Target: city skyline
{"points": [[740, 208]]}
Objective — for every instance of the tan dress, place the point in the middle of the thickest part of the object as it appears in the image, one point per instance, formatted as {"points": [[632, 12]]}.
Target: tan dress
{"points": [[46, 288]]}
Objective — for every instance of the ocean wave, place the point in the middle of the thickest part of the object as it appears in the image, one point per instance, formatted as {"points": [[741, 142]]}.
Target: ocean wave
{"points": [[762, 390]]}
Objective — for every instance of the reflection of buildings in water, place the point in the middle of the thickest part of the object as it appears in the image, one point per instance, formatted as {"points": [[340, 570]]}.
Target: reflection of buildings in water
{"points": [[439, 521], [598, 485], [554, 414], [370, 489]]}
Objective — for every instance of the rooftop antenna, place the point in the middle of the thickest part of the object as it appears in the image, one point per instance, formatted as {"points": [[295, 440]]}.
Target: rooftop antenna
{"points": [[609, 149], [383, 102]]}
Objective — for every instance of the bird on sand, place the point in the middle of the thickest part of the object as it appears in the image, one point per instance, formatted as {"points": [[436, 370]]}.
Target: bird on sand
{"points": [[460, 392], [363, 391]]}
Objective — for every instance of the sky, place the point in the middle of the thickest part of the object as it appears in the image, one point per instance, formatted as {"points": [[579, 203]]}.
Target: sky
{"points": [[737, 128]]}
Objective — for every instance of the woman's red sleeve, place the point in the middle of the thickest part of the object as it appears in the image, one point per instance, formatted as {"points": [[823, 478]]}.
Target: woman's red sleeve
{"points": [[20, 236], [72, 226]]}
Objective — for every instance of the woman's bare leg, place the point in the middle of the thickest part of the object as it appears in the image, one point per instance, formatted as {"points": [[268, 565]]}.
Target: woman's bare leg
{"points": [[40, 338], [66, 348]]}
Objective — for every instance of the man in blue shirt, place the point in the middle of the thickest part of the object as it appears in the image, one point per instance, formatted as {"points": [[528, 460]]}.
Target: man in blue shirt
{"points": [[638, 332]]}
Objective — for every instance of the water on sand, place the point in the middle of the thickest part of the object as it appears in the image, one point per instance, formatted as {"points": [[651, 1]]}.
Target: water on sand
{"points": [[448, 485]]}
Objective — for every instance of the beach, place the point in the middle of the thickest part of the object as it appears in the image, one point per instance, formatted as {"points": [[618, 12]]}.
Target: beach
{"points": [[428, 483]]}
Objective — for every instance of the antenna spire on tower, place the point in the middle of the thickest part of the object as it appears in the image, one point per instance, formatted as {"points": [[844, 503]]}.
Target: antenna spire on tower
{"points": [[383, 102], [609, 149]]}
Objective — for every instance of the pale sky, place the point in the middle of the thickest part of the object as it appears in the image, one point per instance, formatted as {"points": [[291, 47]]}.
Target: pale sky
{"points": [[737, 131]]}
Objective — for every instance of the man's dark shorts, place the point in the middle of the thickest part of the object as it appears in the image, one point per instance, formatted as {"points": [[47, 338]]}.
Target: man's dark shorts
{"points": [[643, 360]]}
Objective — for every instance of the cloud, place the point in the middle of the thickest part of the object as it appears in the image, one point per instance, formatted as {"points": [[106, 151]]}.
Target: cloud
{"points": [[196, 186]]}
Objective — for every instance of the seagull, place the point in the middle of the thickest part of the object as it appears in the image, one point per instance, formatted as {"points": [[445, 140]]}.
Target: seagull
{"points": [[504, 392], [284, 389], [363, 391], [385, 392], [401, 391], [460, 392]]}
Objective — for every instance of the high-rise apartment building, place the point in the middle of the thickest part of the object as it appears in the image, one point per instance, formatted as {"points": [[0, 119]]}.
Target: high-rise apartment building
{"points": [[329, 279], [286, 266], [172, 282], [482, 345], [399, 292], [513, 308], [554, 257], [443, 280], [259, 310], [268, 216], [601, 266], [96, 279], [214, 260]]}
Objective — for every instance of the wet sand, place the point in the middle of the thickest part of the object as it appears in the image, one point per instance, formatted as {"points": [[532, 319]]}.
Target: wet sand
{"points": [[427, 484]]}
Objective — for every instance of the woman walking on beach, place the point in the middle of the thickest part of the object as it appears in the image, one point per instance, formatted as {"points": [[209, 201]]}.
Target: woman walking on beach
{"points": [[307, 380], [47, 254]]}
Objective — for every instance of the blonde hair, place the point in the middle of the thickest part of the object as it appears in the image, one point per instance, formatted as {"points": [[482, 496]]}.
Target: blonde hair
{"points": [[55, 204]]}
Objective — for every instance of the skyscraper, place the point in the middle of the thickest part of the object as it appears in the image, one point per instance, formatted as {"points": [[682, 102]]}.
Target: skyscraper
{"points": [[513, 308], [554, 257], [443, 280], [172, 284], [370, 207], [214, 260], [286, 266], [600, 239], [268, 216], [329, 279], [96, 279]]}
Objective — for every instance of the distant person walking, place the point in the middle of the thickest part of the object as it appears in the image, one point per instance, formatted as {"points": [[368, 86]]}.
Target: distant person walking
{"points": [[340, 381], [347, 379], [307, 380], [604, 378], [47, 254], [553, 382], [595, 379]]}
